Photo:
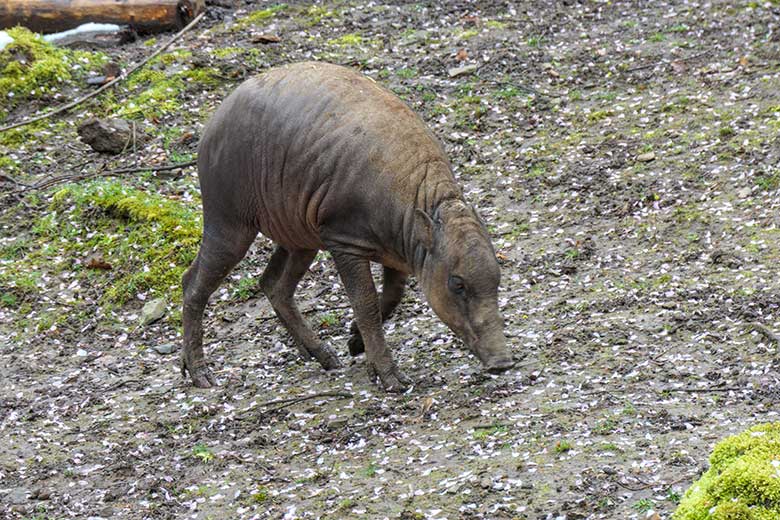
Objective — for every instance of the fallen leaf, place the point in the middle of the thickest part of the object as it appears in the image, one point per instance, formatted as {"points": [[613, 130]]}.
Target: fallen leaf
{"points": [[743, 61], [96, 261], [426, 405], [462, 55], [470, 19], [185, 138], [266, 38], [679, 67]]}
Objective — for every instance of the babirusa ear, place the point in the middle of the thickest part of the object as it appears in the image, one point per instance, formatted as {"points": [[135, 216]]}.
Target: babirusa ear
{"points": [[423, 228]]}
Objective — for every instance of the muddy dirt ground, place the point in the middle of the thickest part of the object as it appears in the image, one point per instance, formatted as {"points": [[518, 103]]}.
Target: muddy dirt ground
{"points": [[625, 157]]}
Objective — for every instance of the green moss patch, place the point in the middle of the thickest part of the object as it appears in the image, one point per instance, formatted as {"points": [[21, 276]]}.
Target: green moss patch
{"points": [[31, 68], [143, 241], [743, 482], [148, 238], [259, 16], [159, 92]]}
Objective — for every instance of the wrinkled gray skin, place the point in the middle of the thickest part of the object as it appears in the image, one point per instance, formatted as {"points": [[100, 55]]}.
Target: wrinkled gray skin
{"points": [[316, 156]]}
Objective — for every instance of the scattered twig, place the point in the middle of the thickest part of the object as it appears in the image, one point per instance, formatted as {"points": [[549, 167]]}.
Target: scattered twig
{"points": [[107, 173], [313, 310], [120, 384], [490, 426], [517, 85], [654, 359], [8, 178], [284, 403], [76, 102], [764, 331], [667, 62], [632, 488], [706, 390]]}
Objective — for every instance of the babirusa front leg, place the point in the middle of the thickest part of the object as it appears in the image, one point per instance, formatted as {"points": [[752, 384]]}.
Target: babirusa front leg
{"points": [[355, 273]]}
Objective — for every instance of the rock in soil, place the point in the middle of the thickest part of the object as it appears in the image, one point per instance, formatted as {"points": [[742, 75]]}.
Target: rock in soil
{"points": [[17, 496], [462, 71], [153, 311], [109, 135]]}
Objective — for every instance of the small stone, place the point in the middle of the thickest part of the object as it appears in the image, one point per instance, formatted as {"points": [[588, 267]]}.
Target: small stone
{"points": [[744, 193], [41, 494], [462, 71], [453, 489], [337, 423], [109, 135], [415, 37], [646, 157], [17, 496], [153, 311], [266, 38], [81, 352], [165, 348]]}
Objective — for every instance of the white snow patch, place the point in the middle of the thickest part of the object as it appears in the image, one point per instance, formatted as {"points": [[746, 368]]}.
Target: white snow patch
{"points": [[5, 39], [83, 28]]}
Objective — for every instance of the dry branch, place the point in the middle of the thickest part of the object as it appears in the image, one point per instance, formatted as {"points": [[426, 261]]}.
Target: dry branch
{"points": [[108, 173]]}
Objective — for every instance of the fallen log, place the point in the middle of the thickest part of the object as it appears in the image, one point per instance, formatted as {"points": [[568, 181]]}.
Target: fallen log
{"points": [[145, 16]]}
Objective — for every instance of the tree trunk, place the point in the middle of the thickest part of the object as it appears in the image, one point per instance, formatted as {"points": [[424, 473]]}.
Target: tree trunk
{"points": [[145, 16]]}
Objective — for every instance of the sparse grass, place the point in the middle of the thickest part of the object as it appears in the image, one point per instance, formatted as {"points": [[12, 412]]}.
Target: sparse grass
{"points": [[8, 300], [245, 289], [260, 496], [328, 320], [605, 427], [370, 469], [258, 17], [495, 24], [202, 452], [345, 505], [644, 505], [349, 40], [768, 181], [466, 34], [534, 41], [484, 433], [562, 446]]}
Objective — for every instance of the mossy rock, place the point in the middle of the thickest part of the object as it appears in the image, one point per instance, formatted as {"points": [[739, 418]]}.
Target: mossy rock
{"points": [[743, 482]]}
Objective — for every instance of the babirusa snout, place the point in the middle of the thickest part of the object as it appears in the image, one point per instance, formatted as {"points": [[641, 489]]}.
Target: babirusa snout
{"points": [[490, 347]]}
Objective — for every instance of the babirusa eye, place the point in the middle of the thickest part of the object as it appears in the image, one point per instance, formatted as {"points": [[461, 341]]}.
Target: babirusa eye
{"points": [[456, 285]]}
